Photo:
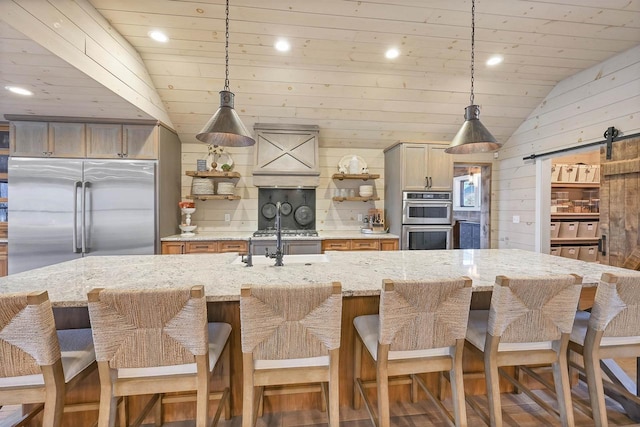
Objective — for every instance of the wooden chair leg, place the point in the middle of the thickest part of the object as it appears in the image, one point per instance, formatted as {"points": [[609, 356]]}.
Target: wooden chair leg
{"points": [[261, 405], [517, 374], [334, 389], [563, 391], [108, 402], [414, 389], [226, 375], [492, 380], [158, 412], [248, 390], [357, 366], [596, 388], [54, 394], [202, 392], [382, 380], [123, 412], [457, 386]]}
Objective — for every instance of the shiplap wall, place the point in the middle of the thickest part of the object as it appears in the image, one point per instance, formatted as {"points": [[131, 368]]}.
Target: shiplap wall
{"points": [[577, 111], [330, 215]]}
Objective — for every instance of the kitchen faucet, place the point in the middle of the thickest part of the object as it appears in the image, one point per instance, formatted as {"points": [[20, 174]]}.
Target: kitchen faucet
{"points": [[249, 259], [279, 253]]}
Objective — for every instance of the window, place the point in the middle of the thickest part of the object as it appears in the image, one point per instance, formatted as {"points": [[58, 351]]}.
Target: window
{"points": [[466, 192]]}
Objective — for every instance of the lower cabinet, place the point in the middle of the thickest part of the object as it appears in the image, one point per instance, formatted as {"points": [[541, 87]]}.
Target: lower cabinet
{"points": [[359, 245], [3, 260], [290, 247], [204, 247]]}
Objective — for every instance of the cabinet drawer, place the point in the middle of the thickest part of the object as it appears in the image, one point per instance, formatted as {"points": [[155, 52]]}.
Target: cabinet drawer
{"points": [[233, 246], [201, 247], [365, 245], [172, 248], [336, 245]]}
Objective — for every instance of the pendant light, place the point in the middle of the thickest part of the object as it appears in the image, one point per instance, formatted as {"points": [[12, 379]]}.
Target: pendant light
{"points": [[225, 127], [472, 137]]}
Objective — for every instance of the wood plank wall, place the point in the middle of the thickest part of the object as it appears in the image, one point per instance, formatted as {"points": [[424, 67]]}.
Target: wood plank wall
{"points": [[577, 111]]}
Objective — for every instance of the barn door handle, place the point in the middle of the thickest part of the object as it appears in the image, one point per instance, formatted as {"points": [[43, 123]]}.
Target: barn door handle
{"points": [[602, 245]]}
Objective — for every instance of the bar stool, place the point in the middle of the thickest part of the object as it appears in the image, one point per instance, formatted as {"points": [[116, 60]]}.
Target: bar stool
{"points": [[528, 323], [611, 330], [420, 328], [37, 363], [290, 335], [155, 342]]}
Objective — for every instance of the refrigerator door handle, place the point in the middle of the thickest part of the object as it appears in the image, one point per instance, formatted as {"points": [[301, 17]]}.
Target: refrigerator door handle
{"points": [[83, 225], [74, 236]]}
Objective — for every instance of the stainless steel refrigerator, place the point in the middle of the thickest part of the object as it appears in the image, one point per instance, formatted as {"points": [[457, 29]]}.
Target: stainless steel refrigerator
{"points": [[62, 209]]}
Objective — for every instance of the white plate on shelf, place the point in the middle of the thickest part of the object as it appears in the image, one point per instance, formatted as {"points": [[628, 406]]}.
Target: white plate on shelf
{"points": [[222, 159], [344, 162]]}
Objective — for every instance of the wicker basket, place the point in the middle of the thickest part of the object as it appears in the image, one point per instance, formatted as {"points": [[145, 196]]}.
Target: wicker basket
{"points": [[202, 186]]}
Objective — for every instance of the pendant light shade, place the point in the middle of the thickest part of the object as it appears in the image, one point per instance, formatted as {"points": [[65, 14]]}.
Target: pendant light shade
{"points": [[225, 128], [472, 137]]}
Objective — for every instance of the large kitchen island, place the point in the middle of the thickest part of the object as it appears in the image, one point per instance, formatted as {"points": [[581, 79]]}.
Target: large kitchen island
{"points": [[361, 275]]}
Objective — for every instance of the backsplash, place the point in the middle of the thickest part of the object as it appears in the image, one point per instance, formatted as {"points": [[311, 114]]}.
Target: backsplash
{"points": [[243, 214]]}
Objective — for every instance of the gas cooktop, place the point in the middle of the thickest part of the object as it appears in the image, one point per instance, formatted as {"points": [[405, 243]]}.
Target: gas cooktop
{"points": [[286, 233]]}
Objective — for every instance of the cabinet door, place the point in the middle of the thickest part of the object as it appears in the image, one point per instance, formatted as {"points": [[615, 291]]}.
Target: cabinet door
{"points": [[239, 246], [388, 244], [67, 140], [415, 167], [201, 248], [140, 142], [29, 139], [172, 248], [297, 247], [3, 260], [336, 245], [104, 141], [439, 168]]}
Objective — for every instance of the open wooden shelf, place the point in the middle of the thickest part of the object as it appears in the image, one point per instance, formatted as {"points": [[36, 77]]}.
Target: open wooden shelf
{"points": [[213, 197], [575, 185], [573, 215], [574, 240], [355, 199], [362, 176], [213, 174]]}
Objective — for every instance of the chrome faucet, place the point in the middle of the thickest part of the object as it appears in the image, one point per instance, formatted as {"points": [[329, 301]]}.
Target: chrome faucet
{"points": [[249, 258], [279, 253]]}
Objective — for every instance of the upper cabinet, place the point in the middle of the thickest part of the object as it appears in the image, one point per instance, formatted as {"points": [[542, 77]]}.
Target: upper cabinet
{"points": [[421, 166], [79, 140]]}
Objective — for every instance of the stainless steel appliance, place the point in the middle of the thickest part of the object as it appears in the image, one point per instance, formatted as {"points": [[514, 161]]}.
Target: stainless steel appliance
{"points": [[62, 209], [423, 207], [426, 220]]}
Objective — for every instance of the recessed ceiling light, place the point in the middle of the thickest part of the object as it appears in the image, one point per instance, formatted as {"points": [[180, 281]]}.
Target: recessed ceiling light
{"points": [[19, 90], [282, 45], [392, 53], [495, 60], [158, 36]]}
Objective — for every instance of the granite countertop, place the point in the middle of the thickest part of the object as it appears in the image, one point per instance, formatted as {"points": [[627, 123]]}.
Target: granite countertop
{"points": [[244, 235], [361, 273]]}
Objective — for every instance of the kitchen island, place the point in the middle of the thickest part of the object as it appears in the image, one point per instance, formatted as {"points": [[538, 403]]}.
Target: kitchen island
{"points": [[361, 275]]}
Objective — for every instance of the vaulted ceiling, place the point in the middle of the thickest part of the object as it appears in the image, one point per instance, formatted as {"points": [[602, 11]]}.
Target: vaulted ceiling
{"points": [[336, 75]]}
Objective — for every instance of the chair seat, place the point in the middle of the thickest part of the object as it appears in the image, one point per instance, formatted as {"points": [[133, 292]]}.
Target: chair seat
{"points": [[579, 333], [218, 335], [477, 334], [76, 347], [368, 326]]}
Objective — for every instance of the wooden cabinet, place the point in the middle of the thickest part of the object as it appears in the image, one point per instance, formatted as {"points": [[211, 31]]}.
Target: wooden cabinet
{"points": [[356, 197], [359, 245], [80, 140], [289, 247], [204, 247], [3, 260], [426, 167]]}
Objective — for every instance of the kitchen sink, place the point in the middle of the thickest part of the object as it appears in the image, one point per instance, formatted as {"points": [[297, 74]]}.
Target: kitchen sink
{"points": [[288, 259]]}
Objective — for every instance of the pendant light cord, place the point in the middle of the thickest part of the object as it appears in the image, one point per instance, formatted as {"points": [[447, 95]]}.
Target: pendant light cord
{"points": [[473, 44], [226, 52]]}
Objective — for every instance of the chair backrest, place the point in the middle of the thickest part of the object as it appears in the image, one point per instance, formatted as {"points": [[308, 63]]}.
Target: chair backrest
{"points": [[533, 309], [148, 327], [420, 315], [290, 321], [28, 336], [616, 308]]}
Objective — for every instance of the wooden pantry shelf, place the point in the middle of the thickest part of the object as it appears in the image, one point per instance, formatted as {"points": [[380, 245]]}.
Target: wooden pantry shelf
{"points": [[573, 215], [575, 185], [355, 199], [362, 176], [574, 240], [213, 174], [213, 197]]}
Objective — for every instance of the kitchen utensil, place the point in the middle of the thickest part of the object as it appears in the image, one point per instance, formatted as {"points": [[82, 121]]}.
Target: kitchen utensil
{"points": [[268, 210], [303, 215], [285, 208]]}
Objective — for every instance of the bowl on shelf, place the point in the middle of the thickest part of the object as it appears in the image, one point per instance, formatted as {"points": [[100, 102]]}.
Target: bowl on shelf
{"points": [[188, 210], [366, 190], [187, 230]]}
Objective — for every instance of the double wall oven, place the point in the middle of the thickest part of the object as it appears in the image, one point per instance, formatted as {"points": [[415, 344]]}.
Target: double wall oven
{"points": [[427, 218]]}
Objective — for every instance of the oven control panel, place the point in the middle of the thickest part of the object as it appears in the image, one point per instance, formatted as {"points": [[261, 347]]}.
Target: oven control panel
{"points": [[426, 195]]}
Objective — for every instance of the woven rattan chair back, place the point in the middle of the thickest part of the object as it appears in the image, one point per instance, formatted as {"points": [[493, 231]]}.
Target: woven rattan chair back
{"points": [[417, 315], [616, 308], [533, 309], [148, 328], [290, 321], [28, 337]]}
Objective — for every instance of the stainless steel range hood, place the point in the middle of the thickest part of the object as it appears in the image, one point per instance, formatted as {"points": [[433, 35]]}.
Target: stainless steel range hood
{"points": [[286, 156]]}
